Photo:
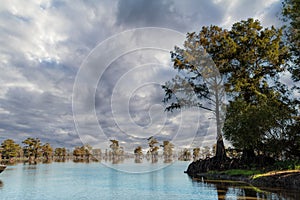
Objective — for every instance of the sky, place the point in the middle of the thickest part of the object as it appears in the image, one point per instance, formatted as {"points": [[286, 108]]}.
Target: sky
{"points": [[77, 72]]}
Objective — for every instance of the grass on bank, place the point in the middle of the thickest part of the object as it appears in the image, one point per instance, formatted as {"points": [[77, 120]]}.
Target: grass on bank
{"points": [[237, 172], [278, 167], [271, 173]]}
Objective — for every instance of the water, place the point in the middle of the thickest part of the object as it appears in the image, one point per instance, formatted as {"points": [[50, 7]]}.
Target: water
{"points": [[96, 181]]}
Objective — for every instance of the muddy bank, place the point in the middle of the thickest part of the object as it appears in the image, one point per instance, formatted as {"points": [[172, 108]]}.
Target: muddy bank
{"points": [[280, 179]]}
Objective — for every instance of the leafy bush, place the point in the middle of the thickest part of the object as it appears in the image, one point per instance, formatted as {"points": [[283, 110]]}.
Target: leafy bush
{"points": [[287, 165]]}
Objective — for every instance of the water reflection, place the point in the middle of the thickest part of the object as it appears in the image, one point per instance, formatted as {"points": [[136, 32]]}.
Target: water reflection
{"points": [[222, 189], [241, 190], [138, 160], [96, 181]]}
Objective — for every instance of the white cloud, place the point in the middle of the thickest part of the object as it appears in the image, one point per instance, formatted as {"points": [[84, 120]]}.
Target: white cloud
{"points": [[44, 42], [237, 10]]}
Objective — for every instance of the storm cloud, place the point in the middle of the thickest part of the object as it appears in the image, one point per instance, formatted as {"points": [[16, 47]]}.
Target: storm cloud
{"points": [[45, 43]]}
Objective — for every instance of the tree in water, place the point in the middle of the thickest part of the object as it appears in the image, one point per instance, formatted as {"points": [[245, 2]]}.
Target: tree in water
{"points": [[32, 149], [97, 153], [79, 153], [10, 149], [153, 149], [47, 152], [199, 82], [60, 154], [167, 151], [206, 153], [185, 155], [88, 151], [196, 153], [138, 154], [117, 151], [115, 148]]}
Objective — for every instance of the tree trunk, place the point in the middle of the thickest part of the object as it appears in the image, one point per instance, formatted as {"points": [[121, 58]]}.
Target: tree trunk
{"points": [[220, 150], [248, 156]]}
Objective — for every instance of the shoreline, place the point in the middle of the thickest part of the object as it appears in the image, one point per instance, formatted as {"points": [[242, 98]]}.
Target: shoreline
{"points": [[285, 179]]}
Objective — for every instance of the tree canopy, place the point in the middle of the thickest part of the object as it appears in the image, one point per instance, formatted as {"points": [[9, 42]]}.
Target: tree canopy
{"points": [[32, 147], [10, 149], [199, 82], [259, 101], [291, 15], [248, 61]]}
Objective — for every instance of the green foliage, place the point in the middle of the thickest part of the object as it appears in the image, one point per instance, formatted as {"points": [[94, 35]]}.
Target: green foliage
{"points": [[196, 153], [47, 151], [79, 152], [259, 113], [168, 149], [241, 172], [287, 165], [153, 149], [60, 152], [184, 155], [117, 150], [199, 82], [257, 126], [250, 59], [138, 151], [291, 142], [32, 147], [10, 149], [291, 15], [82, 152], [257, 58]]}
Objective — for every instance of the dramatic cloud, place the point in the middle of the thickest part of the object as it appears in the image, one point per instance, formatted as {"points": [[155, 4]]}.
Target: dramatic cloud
{"points": [[44, 43], [178, 15], [191, 15]]}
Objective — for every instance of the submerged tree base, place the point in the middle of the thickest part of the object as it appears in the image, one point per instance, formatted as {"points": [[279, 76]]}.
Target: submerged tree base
{"points": [[215, 163], [216, 169], [202, 166]]}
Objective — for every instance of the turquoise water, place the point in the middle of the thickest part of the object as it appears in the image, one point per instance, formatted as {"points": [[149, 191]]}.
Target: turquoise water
{"points": [[96, 181]]}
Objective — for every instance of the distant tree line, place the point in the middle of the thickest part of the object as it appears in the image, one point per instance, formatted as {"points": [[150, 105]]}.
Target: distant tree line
{"points": [[33, 151]]}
